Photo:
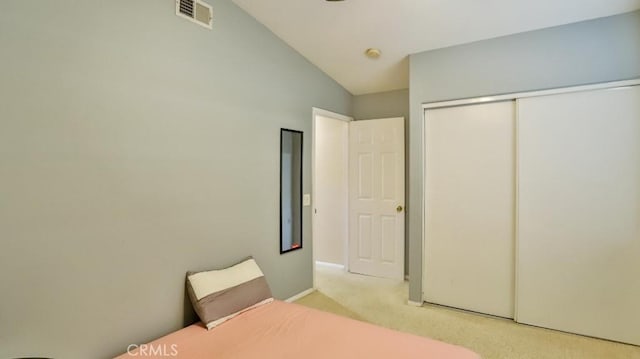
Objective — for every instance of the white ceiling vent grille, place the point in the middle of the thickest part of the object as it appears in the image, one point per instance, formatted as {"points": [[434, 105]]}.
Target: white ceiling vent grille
{"points": [[196, 11]]}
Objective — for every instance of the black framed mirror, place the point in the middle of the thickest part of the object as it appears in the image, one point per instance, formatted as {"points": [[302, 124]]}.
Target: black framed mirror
{"points": [[290, 190]]}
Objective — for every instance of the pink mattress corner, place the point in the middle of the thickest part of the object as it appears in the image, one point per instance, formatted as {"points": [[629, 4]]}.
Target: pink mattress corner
{"points": [[291, 331]]}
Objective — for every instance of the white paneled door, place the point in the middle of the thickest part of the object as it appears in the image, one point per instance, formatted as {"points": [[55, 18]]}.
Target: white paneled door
{"points": [[469, 207], [376, 197]]}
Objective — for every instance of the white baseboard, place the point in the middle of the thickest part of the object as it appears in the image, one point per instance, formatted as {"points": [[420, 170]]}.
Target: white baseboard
{"points": [[300, 295], [329, 265], [415, 304]]}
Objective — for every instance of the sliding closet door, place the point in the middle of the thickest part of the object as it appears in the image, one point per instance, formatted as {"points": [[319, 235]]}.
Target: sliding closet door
{"points": [[469, 207], [579, 213]]}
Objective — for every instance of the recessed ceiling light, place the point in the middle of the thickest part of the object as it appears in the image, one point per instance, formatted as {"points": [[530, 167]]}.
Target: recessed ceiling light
{"points": [[373, 53]]}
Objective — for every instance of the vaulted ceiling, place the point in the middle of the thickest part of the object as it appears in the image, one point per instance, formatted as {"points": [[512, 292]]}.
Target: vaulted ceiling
{"points": [[334, 35]]}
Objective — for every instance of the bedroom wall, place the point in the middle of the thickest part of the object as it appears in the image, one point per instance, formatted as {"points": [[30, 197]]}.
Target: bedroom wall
{"points": [[134, 146], [601, 50], [381, 105], [385, 105]]}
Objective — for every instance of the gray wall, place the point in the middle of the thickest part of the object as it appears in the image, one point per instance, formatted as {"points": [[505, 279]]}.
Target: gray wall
{"points": [[385, 105], [134, 146], [381, 105], [601, 50]]}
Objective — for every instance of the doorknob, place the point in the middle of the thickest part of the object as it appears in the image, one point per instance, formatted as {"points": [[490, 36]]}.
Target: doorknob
{"points": [[399, 209]]}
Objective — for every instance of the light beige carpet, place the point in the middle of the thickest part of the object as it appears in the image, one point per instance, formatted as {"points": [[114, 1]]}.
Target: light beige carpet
{"points": [[383, 302], [322, 302]]}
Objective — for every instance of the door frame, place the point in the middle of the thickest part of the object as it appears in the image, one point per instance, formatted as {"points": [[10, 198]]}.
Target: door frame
{"points": [[336, 116]]}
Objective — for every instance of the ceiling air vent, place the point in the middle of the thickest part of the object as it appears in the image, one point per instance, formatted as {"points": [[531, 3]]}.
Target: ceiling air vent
{"points": [[196, 11]]}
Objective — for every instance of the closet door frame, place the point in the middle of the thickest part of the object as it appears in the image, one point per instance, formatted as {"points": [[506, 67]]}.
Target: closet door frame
{"points": [[499, 98], [518, 95]]}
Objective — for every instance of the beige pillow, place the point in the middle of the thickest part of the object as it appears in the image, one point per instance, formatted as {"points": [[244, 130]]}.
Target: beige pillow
{"points": [[220, 295]]}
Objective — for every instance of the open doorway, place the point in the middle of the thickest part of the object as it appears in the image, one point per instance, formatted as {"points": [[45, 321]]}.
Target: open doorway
{"points": [[358, 195], [330, 192]]}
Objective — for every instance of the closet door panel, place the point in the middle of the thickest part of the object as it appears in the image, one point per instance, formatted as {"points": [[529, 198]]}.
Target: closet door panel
{"points": [[469, 207], [579, 213]]}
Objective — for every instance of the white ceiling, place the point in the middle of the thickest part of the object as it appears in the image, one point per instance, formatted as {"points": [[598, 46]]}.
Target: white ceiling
{"points": [[334, 35]]}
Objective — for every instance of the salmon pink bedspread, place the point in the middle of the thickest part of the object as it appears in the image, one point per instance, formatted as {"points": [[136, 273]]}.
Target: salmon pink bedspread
{"points": [[290, 331]]}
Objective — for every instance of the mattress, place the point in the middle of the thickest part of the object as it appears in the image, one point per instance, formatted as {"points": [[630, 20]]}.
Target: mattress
{"points": [[291, 331]]}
